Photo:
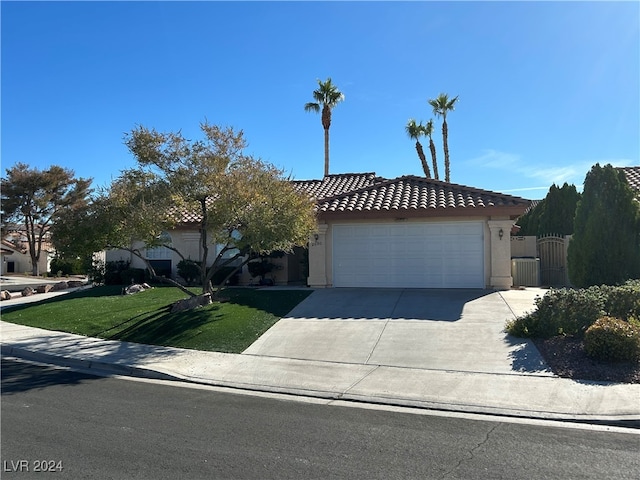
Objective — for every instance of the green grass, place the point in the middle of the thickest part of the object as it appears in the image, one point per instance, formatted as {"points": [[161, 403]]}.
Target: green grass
{"points": [[103, 312]]}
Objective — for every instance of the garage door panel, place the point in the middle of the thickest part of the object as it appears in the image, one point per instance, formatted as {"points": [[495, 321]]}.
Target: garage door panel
{"points": [[420, 255]]}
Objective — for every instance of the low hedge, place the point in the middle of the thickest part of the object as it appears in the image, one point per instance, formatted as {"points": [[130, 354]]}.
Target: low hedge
{"points": [[568, 311], [613, 339]]}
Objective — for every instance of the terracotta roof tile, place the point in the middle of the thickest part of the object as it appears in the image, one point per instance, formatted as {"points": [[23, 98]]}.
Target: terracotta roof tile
{"points": [[369, 194], [415, 193], [633, 177], [332, 185]]}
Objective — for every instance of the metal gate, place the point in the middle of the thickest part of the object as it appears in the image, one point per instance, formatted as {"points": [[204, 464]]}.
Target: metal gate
{"points": [[552, 251]]}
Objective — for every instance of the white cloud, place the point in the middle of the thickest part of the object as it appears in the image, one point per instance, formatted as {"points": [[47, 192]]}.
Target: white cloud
{"points": [[573, 172]]}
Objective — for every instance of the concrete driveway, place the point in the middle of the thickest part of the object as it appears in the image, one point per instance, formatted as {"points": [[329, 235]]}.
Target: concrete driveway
{"points": [[457, 330]]}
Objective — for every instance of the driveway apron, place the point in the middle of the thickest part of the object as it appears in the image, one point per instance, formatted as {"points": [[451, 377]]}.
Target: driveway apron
{"points": [[457, 330]]}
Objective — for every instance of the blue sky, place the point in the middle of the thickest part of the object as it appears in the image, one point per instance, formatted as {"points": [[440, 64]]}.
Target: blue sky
{"points": [[546, 89]]}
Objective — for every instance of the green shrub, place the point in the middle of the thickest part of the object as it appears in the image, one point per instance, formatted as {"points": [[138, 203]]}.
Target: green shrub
{"points": [[623, 301], [222, 273], [613, 339], [521, 326], [120, 273], [572, 311], [112, 272], [96, 271], [76, 266], [189, 271], [564, 312], [133, 275]]}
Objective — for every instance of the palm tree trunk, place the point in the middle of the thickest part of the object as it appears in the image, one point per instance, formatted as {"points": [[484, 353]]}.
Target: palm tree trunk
{"points": [[326, 152], [326, 124], [445, 135], [432, 147], [423, 159]]}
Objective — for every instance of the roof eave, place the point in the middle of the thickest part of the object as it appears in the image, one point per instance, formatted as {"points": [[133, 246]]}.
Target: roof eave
{"points": [[512, 212]]}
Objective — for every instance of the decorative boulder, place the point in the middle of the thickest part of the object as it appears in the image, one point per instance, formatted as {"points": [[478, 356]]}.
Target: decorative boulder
{"points": [[27, 291], [44, 288], [75, 283], [191, 303], [60, 286], [136, 288], [5, 295]]}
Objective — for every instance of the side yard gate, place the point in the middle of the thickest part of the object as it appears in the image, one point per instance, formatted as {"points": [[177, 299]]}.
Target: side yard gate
{"points": [[552, 251]]}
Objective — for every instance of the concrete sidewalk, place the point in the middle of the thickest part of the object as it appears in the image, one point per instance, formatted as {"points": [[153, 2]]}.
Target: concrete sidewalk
{"points": [[529, 395]]}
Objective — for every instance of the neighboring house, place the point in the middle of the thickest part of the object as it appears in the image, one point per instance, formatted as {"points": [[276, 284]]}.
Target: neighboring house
{"points": [[408, 232], [16, 259]]}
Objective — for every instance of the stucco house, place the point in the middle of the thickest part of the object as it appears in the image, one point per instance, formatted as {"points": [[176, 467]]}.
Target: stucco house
{"points": [[408, 232], [16, 259]]}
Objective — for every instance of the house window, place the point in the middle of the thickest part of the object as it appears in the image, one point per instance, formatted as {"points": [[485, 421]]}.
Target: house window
{"points": [[162, 252]]}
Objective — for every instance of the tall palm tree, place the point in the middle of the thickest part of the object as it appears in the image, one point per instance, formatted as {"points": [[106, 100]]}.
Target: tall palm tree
{"points": [[428, 131], [441, 105], [415, 131], [326, 97]]}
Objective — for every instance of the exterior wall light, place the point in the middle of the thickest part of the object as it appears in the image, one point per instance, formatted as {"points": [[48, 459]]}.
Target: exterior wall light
{"points": [[501, 233]]}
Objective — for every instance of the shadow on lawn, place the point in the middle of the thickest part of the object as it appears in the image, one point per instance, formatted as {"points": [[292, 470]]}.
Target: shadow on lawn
{"points": [[94, 292], [162, 327], [275, 302]]}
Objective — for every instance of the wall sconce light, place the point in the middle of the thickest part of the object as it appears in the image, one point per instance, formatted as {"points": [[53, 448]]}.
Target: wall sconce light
{"points": [[316, 236], [501, 234]]}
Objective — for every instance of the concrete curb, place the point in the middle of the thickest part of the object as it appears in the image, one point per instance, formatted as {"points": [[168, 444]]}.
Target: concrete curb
{"points": [[111, 368], [105, 368]]}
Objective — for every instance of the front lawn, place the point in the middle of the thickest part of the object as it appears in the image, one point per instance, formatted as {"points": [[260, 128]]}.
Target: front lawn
{"points": [[103, 312]]}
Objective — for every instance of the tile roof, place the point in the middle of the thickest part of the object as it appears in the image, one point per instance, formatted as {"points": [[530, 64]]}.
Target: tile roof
{"points": [[332, 185], [365, 194], [633, 177], [420, 196]]}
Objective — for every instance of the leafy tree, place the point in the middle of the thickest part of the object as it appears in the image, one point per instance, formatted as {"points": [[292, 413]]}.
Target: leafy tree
{"points": [[34, 199], [237, 201], [553, 214], [442, 105], [428, 130], [415, 131], [326, 97], [605, 248]]}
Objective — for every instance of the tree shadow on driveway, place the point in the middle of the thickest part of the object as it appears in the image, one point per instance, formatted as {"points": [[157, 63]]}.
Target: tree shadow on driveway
{"points": [[525, 357], [446, 305]]}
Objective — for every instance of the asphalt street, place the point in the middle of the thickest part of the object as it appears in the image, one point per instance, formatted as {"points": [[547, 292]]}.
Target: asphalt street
{"points": [[83, 426]]}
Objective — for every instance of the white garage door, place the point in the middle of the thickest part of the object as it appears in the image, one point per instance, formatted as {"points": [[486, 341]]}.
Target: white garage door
{"points": [[409, 255]]}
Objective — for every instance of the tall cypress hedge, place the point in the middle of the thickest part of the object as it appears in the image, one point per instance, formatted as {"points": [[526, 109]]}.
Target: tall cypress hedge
{"points": [[605, 248]]}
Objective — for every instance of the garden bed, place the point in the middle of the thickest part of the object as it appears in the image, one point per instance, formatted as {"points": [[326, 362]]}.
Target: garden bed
{"points": [[566, 357]]}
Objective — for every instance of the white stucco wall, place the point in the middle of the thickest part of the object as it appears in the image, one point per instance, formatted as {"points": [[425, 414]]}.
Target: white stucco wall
{"points": [[185, 241]]}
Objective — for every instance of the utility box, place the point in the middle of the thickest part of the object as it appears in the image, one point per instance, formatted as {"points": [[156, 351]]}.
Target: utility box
{"points": [[525, 272]]}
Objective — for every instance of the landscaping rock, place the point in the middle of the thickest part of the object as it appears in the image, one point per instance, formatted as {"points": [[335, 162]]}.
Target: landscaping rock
{"points": [[28, 291], [44, 288], [191, 303], [75, 283], [5, 295], [136, 288], [60, 286]]}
